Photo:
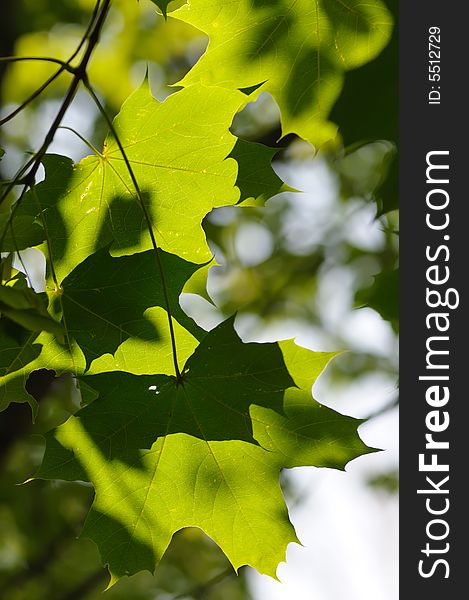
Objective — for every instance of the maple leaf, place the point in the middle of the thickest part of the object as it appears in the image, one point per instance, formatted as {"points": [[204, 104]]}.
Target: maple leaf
{"points": [[163, 457], [179, 157], [298, 50]]}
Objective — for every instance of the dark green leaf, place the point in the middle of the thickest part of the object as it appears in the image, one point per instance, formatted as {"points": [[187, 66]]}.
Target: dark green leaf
{"points": [[104, 299], [256, 180], [163, 457]]}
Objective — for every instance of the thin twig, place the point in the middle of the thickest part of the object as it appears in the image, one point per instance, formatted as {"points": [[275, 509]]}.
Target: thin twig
{"points": [[32, 97], [49, 59], [80, 74], [147, 219], [64, 66]]}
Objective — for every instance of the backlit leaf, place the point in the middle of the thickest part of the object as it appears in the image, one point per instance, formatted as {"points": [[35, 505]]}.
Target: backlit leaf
{"points": [[179, 160], [297, 49], [104, 299], [204, 468]]}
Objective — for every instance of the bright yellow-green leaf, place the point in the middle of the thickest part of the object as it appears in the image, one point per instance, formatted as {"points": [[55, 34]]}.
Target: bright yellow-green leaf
{"points": [[178, 155], [163, 456], [298, 50]]}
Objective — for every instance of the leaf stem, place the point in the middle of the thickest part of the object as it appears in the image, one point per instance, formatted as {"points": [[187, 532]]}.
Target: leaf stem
{"points": [[146, 215], [83, 139]]}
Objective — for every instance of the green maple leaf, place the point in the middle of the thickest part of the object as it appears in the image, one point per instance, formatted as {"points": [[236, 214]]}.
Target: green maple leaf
{"points": [[114, 316], [104, 299], [257, 181], [222, 379], [178, 156], [196, 473], [298, 50]]}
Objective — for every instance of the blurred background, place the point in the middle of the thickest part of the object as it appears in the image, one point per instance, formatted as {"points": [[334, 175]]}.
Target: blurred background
{"points": [[318, 264]]}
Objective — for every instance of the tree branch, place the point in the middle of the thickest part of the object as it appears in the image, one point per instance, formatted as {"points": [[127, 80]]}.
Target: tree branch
{"points": [[28, 176]]}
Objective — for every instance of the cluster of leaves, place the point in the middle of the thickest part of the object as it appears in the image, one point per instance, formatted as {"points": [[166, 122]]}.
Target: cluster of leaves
{"points": [[178, 427]]}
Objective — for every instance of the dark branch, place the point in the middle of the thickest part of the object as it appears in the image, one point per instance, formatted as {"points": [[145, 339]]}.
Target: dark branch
{"points": [[92, 34]]}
